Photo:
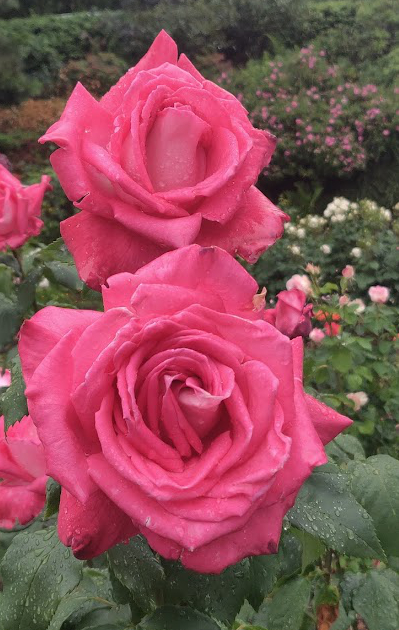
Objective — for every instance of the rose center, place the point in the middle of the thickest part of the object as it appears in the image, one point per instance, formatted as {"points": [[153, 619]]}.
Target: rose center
{"points": [[176, 149]]}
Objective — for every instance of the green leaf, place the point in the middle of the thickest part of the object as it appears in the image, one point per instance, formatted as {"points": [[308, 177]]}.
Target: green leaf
{"points": [[264, 573], [26, 291], [92, 593], [287, 609], [177, 618], [53, 493], [376, 601], [220, 596], [342, 622], [13, 402], [326, 509], [10, 319], [341, 359], [375, 484], [312, 547], [328, 287], [6, 283], [37, 572], [60, 265], [137, 568], [354, 382], [345, 448]]}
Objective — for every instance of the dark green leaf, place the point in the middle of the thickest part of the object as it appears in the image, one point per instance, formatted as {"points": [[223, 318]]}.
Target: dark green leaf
{"points": [[137, 568], [37, 572], [345, 448], [53, 493], [341, 359], [219, 596], [6, 283], [93, 592], [177, 618], [287, 609], [26, 291], [312, 547], [326, 509], [376, 601], [10, 319], [375, 484], [13, 402]]}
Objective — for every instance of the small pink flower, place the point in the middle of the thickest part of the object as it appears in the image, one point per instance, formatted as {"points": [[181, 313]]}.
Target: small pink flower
{"points": [[330, 141], [359, 399], [300, 282], [386, 132], [343, 300], [316, 335], [378, 294], [348, 272], [322, 53], [361, 307]]}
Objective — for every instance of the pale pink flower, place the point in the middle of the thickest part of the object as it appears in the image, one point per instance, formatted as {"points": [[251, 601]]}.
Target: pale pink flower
{"points": [[316, 335], [378, 294], [348, 272], [361, 307], [359, 399], [301, 282]]}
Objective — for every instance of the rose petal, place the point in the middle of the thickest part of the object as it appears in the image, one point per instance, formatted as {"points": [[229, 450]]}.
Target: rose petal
{"points": [[93, 527], [252, 230]]}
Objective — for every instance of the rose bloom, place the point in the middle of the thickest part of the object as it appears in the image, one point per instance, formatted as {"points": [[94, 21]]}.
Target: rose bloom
{"points": [[316, 335], [343, 300], [360, 305], [378, 294], [291, 316], [359, 399], [356, 252], [165, 159], [348, 272], [326, 249], [300, 282], [20, 208], [22, 473], [178, 413]]}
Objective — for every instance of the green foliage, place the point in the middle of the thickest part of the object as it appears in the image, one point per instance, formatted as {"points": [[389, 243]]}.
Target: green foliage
{"points": [[136, 567], [326, 509], [37, 572], [13, 402], [375, 484]]}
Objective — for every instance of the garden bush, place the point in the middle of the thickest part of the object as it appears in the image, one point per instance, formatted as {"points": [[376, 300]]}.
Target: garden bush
{"points": [[362, 234], [330, 125]]}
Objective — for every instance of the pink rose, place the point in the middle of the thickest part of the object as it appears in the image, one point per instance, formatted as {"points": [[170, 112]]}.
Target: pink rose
{"points": [[291, 316], [178, 413], [300, 282], [348, 272], [316, 335], [165, 159], [359, 399], [22, 473], [360, 305], [19, 209], [378, 294]]}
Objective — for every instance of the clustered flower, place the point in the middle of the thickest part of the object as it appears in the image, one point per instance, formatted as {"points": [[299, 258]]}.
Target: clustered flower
{"points": [[317, 113]]}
